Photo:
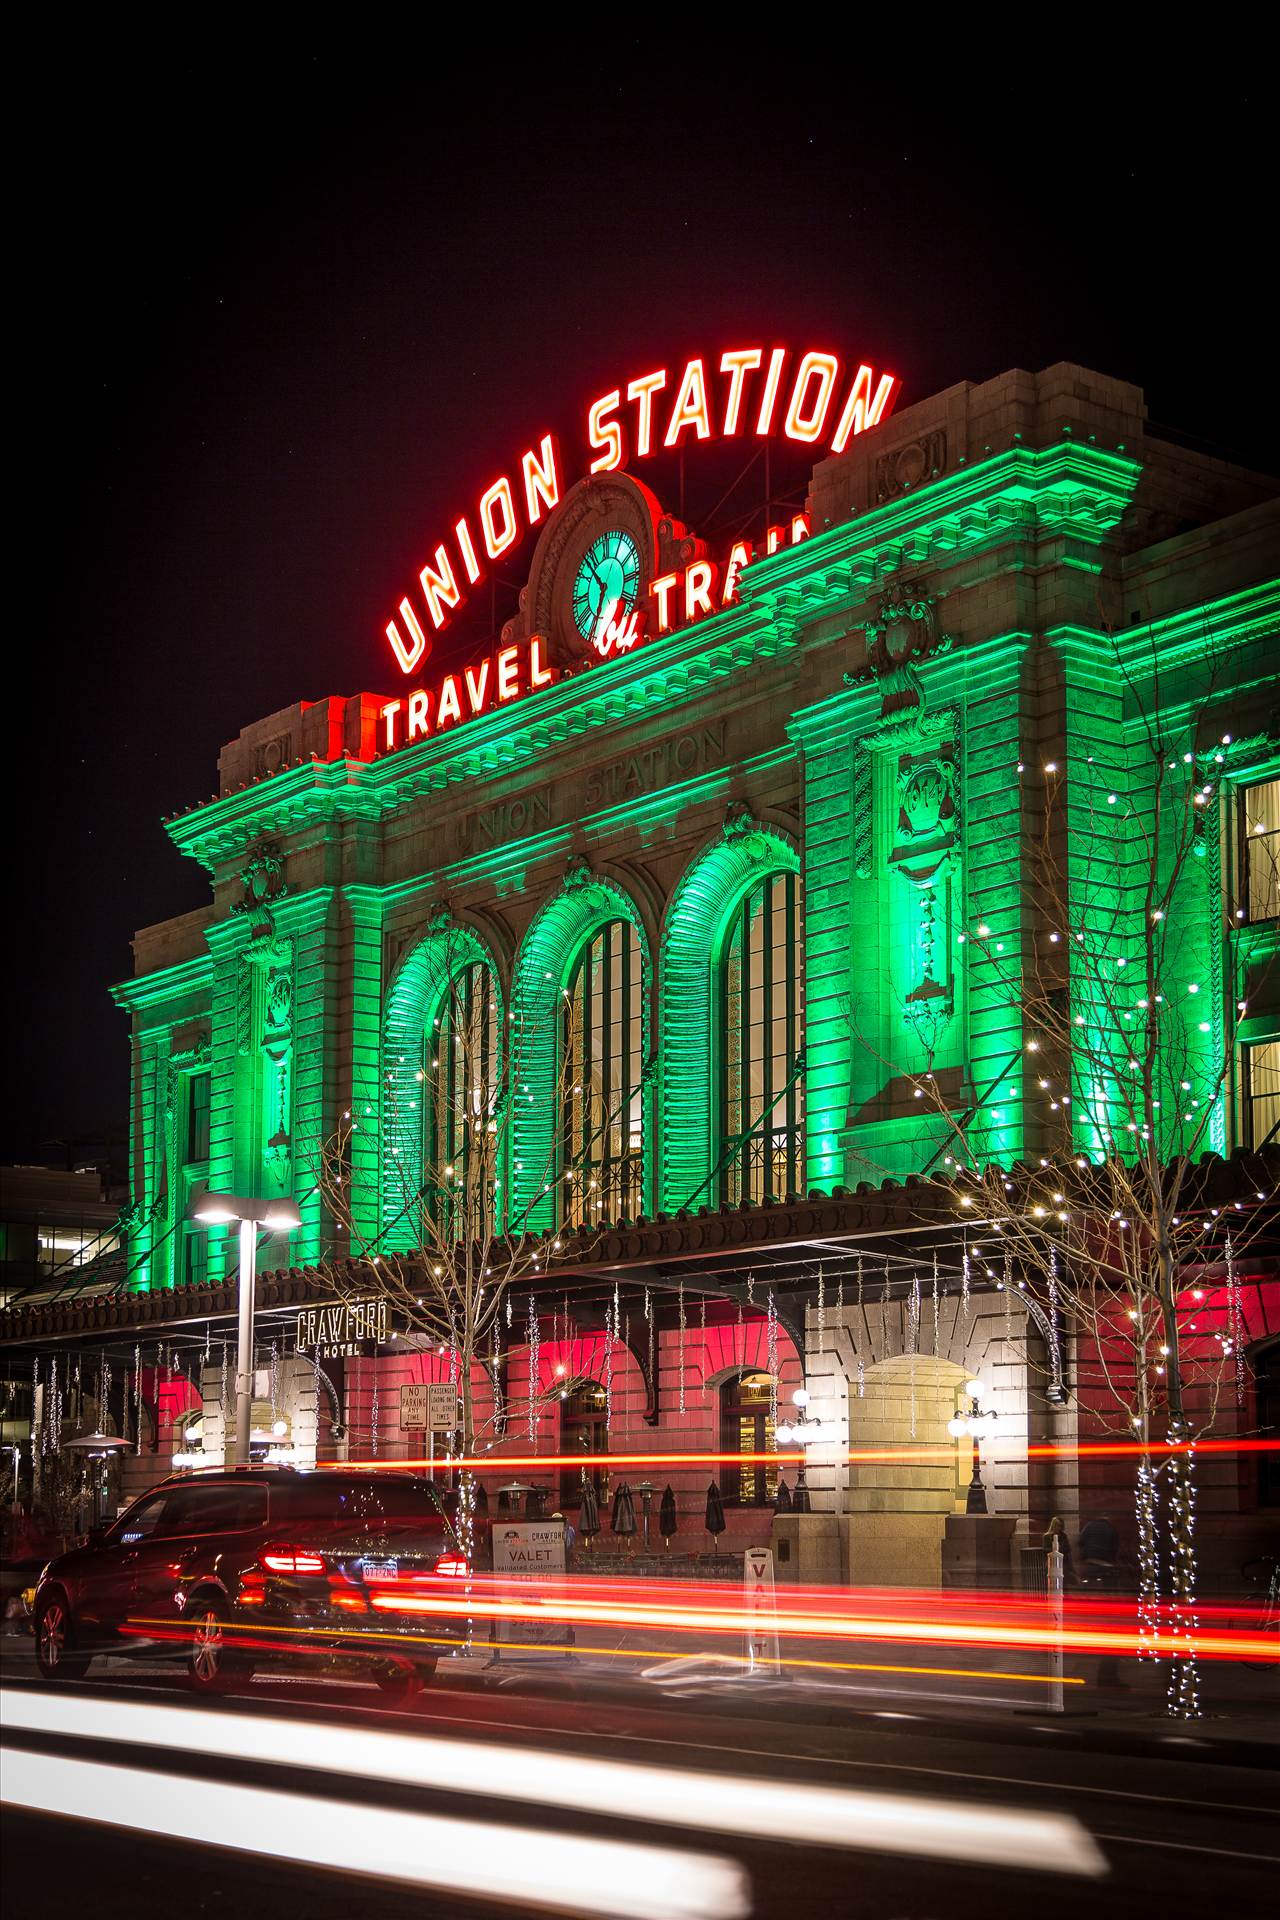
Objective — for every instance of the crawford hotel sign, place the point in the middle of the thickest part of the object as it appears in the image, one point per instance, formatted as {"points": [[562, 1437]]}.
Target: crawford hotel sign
{"points": [[611, 569]]}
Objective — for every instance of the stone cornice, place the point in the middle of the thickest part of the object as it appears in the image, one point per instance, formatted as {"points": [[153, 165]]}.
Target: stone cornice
{"points": [[1069, 488], [168, 983]]}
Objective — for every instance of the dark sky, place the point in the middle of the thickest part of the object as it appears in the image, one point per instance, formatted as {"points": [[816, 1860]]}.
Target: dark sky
{"points": [[287, 316]]}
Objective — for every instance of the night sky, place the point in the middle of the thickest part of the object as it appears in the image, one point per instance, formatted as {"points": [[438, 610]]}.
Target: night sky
{"points": [[285, 319]]}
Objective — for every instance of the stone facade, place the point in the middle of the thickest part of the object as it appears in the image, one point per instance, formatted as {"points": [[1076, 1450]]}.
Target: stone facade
{"points": [[876, 715]]}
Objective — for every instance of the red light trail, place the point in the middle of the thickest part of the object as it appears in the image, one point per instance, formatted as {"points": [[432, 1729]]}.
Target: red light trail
{"points": [[855, 1456]]}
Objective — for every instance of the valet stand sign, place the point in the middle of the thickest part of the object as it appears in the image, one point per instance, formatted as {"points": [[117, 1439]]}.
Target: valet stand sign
{"points": [[761, 1610]]}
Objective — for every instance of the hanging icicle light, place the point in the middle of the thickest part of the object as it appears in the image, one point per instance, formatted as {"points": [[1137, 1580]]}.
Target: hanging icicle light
{"points": [[649, 1323], [531, 1334], [680, 1346], [1235, 1321]]}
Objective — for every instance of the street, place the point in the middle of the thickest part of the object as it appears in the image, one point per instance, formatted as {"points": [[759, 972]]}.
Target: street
{"points": [[481, 1794]]}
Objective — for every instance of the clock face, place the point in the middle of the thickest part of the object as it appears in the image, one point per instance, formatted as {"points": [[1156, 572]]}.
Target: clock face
{"points": [[606, 586]]}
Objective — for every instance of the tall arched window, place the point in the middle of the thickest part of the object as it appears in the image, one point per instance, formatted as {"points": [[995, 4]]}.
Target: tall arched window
{"points": [[746, 1429], [603, 1120], [762, 1094], [460, 1075]]}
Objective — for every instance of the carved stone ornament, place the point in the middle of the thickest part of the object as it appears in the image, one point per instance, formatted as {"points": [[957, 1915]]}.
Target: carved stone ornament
{"points": [[439, 917], [279, 998], [738, 820], [577, 872], [677, 547], [902, 634], [190, 1045], [904, 467], [262, 878]]}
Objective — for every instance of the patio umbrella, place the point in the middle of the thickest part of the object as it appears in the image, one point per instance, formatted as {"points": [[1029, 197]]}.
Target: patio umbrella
{"points": [[479, 1497], [800, 1499], [782, 1498], [715, 1511], [589, 1515], [623, 1518], [667, 1522]]}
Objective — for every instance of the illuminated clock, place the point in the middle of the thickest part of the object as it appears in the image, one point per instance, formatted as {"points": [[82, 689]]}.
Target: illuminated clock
{"points": [[606, 587]]}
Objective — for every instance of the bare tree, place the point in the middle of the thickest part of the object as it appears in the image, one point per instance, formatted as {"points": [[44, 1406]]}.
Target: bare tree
{"points": [[469, 1245], [1128, 1060]]}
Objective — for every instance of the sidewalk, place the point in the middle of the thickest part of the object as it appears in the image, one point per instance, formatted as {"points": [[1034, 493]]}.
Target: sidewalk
{"points": [[961, 1691]]}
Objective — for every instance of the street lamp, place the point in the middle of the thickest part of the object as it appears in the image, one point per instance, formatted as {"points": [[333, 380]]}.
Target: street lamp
{"points": [[277, 1216], [977, 1422], [804, 1432]]}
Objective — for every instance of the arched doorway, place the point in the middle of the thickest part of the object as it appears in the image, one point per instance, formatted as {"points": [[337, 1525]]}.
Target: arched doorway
{"points": [[746, 1428], [898, 1508], [584, 1432]]}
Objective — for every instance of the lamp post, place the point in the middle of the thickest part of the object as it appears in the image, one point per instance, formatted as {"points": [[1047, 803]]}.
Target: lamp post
{"points": [[277, 1216], [977, 1421], [804, 1432]]}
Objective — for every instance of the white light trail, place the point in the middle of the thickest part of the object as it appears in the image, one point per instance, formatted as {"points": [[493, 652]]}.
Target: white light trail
{"points": [[711, 1803], [516, 1865]]}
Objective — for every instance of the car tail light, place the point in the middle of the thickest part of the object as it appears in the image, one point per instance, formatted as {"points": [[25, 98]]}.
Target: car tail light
{"points": [[290, 1560], [453, 1566]]}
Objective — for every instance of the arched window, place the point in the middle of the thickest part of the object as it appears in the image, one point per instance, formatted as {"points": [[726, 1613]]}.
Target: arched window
{"points": [[460, 1076], [746, 1428], [762, 1090], [603, 1122]]}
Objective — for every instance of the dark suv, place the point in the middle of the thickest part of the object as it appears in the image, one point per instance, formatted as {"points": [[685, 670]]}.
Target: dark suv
{"points": [[266, 1567]]}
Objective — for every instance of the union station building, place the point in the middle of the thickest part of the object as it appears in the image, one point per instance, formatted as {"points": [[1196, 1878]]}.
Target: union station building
{"points": [[745, 849]]}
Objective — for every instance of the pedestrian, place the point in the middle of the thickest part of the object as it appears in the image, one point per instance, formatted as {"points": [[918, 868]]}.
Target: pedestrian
{"points": [[570, 1536], [1099, 1570]]}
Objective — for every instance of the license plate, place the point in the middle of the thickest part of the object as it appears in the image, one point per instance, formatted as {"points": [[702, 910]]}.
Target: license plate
{"points": [[380, 1569]]}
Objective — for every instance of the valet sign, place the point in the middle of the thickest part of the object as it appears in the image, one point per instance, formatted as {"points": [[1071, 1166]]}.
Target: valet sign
{"points": [[744, 393]]}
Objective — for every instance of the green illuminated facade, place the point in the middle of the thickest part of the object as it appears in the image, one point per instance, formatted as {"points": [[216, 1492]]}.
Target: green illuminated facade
{"points": [[1003, 587]]}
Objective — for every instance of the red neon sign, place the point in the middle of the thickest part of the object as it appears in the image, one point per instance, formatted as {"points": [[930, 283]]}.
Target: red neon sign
{"points": [[809, 398]]}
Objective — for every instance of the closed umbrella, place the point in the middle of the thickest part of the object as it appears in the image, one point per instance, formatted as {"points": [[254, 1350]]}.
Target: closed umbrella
{"points": [[589, 1515], [623, 1518], [782, 1498], [480, 1497], [715, 1511], [667, 1522], [800, 1500]]}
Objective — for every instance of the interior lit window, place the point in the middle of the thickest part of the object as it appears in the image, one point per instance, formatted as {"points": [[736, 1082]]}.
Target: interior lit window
{"points": [[603, 1130], [584, 1431], [1260, 842], [763, 1089], [460, 1075], [746, 1428], [1262, 1093]]}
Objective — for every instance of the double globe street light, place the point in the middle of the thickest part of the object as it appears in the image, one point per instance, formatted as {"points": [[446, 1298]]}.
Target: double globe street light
{"points": [[253, 1216], [980, 1423]]}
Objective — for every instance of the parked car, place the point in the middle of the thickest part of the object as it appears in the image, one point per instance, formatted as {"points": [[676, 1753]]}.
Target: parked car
{"points": [[263, 1567]]}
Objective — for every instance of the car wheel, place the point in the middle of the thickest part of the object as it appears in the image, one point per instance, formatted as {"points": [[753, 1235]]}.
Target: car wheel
{"points": [[403, 1679], [212, 1667], [56, 1656]]}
